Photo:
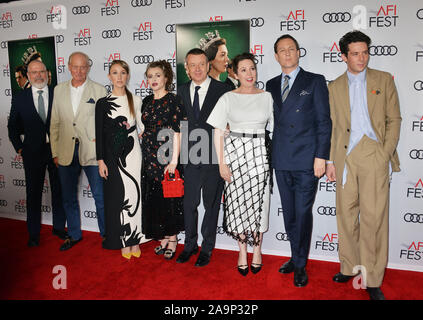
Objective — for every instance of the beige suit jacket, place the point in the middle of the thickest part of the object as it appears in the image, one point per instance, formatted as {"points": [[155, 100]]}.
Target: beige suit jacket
{"points": [[385, 117], [65, 127]]}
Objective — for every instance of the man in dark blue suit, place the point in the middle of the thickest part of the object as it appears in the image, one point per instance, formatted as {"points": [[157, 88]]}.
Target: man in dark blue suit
{"points": [[301, 145], [30, 116], [201, 173]]}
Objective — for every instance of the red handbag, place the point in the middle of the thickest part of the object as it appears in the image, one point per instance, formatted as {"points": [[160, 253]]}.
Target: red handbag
{"points": [[173, 188]]}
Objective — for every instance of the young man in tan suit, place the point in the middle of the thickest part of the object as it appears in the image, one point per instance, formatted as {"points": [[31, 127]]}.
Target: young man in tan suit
{"points": [[72, 135], [366, 126]]}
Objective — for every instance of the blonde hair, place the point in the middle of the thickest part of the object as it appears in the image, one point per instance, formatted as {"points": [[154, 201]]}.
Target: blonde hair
{"points": [[125, 66]]}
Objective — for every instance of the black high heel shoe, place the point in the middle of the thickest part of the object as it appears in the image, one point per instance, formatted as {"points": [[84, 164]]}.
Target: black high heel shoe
{"points": [[160, 249], [169, 254], [256, 268], [243, 271]]}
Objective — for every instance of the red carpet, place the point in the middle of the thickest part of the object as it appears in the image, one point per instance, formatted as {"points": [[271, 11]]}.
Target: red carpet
{"points": [[96, 273]]}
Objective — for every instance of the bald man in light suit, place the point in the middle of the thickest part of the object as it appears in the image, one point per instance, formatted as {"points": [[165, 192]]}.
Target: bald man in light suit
{"points": [[72, 132]]}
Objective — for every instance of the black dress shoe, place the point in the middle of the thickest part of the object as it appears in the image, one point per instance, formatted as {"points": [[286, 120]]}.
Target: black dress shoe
{"points": [[185, 255], [33, 242], [341, 278], [203, 259], [69, 243], [287, 267], [375, 293], [300, 277], [62, 234]]}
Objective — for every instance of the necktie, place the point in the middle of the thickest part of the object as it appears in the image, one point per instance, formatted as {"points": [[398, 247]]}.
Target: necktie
{"points": [[196, 103], [41, 108], [285, 88]]}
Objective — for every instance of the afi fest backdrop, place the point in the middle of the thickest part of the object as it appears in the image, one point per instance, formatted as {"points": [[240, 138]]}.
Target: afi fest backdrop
{"points": [[140, 31]]}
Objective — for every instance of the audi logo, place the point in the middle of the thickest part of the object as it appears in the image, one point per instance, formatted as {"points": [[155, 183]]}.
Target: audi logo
{"points": [[418, 85], [413, 217], [19, 182], [81, 10], [28, 16], [108, 34], [7, 92], [257, 22], [3, 203], [170, 28], [141, 3], [332, 17], [326, 211], [383, 50], [90, 214], [45, 209], [282, 236], [419, 14], [143, 59], [303, 52], [416, 154]]}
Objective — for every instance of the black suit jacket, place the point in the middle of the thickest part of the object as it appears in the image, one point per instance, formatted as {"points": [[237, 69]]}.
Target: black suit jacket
{"points": [[214, 92], [24, 119]]}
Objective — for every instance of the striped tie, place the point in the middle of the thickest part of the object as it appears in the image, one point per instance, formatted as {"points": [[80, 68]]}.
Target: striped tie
{"points": [[285, 88]]}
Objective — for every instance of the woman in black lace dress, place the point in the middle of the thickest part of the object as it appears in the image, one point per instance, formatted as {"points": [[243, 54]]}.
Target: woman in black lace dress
{"points": [[162, 113]]}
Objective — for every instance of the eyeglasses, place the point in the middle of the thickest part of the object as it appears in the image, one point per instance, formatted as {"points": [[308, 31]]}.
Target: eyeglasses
{"points": [[37, 72]]}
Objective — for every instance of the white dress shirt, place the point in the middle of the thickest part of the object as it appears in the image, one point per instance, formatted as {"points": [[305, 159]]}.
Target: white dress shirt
{"points": [[202, 92], [76, 94], [45, 97]]}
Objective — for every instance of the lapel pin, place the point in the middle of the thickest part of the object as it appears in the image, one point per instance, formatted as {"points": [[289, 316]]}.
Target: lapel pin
{"points": [[304, 93]]}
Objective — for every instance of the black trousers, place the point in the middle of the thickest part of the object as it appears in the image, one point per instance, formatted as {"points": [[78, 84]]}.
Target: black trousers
{"points": [[35, 176], [298, 190], [205, 178]]}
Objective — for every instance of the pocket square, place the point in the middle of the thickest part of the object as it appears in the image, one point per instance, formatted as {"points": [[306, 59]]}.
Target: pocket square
{"points": [[91, 100], [304, 93]]}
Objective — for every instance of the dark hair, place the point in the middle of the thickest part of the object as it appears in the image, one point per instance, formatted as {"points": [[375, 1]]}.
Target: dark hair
{"points": [[350, 37], [167, 70], [22, 70], [196, 52], [125, 66], [285, 36], [211, 51], [241, 57]]}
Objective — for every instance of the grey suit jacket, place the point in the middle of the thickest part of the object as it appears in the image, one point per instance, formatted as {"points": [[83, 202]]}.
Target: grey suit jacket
{"points": [[65, 127]]}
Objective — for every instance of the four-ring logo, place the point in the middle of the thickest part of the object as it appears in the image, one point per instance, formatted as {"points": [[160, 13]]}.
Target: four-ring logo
{"points": [[419, 14], [81, 9], [90, 214], [416, 154], [282, 236], [413, 217], [332, 17], [28, 16], [257, 22], [19, 182], [170, 28], [114, 33], [418, 85], [143, 59], [326, 211], [383, 50], [141, 3], [3, 203]]}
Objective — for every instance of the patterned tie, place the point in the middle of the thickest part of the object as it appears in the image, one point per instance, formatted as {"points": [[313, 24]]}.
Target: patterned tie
{"points": [[285, 87], [196, 103], [41, 107]]}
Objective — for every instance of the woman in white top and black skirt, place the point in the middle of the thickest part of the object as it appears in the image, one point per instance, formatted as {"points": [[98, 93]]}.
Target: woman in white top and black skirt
{"points": [[244, 161]]}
